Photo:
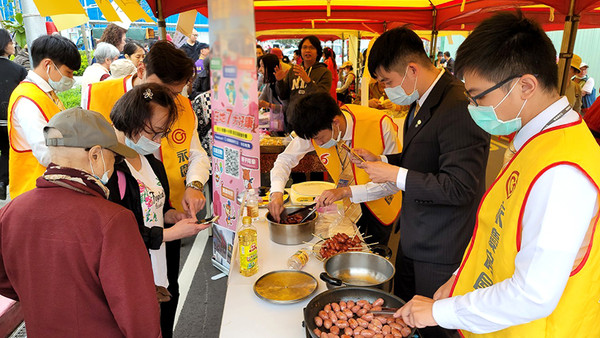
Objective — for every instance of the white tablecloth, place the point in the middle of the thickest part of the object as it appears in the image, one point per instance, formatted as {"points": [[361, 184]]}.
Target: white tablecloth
{"points": [[246, 315]]}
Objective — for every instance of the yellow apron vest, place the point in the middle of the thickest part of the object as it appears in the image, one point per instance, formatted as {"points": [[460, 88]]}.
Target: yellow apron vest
{"points": [[175, 148], [366, 134], [490, 257], [103, 95], [23, 168]]}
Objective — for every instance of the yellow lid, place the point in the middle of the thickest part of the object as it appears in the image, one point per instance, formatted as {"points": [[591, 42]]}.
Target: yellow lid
{"points": [[247, 220]]}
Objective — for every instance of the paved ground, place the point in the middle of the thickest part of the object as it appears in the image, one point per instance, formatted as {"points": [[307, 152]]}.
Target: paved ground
{"points": [[202, 299]]}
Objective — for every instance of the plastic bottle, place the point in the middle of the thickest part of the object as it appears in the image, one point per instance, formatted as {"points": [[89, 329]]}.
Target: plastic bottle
{"points": [[252, 204], [298, 260], [247, 247]]}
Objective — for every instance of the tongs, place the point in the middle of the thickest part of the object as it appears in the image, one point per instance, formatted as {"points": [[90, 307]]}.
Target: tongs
{"points": [[284, 213], [312, 211], [385, 311]]}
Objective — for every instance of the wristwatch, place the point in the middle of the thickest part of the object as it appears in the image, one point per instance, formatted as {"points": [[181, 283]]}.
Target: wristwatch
{"points": [[195, 185]]}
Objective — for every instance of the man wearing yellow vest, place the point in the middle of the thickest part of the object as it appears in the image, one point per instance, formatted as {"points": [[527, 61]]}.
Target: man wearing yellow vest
{"points": [[185, 160], [33, 103], [532, 268], [321, 126]]}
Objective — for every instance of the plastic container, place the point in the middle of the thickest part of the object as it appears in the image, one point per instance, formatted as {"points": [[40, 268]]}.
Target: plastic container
{"points": [[252, 204], [248, 250], [298, 260]]}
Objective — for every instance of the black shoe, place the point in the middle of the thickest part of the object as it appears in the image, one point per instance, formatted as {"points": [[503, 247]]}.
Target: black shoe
{"points": [[2, 191]]}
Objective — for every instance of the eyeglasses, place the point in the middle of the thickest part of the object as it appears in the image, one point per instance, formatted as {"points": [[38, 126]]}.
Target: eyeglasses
{"points": [[473, 99], [156, 135], [309, 47]]}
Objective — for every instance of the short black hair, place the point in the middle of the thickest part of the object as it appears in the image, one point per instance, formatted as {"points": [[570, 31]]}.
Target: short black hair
{"points": [[170, 64], [59, 49], [133, 111], [5, 39], [508, 44], [313, 41], [312, 113], [131, 47], [440, 53], [260, 47], [297, 52], [270, 61], [394, 49], [447, 53]]}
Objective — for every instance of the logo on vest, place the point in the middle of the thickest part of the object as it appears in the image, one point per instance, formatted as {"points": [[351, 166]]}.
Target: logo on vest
{"points": [[324, 158], [511, 183], [178, 136]]}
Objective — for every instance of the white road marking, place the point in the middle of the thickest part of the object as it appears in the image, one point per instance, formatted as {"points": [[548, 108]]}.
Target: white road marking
{"points": [[189, 270]]}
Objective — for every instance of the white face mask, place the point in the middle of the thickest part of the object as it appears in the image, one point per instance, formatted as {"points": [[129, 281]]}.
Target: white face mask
{"points": [[332, 142], [104, 178], [144, 146], [65, 83]]}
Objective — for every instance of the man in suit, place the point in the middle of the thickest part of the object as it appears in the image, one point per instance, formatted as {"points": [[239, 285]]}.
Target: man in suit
{"points": [[441, 169]]}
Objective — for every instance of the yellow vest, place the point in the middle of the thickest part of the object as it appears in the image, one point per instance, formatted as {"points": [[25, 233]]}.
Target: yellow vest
{"points": [[366, 134], [175, 148], [103, 95], [23, 168], [496, 241]]}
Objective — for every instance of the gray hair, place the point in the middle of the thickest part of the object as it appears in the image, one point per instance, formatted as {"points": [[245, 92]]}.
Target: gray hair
{"points": [[105, 51]]}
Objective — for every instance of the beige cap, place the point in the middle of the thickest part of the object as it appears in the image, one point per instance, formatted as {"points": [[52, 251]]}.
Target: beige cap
{"points": [[82, 128], [346, 64], [121, 68]]}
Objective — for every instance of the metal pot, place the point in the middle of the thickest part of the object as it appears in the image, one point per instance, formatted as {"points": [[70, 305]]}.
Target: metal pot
{"points": [[292, 234], [358, 269], [345, 294]]}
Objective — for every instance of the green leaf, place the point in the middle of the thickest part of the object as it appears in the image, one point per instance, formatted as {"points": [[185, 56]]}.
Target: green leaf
{"points": [[19, 18]]}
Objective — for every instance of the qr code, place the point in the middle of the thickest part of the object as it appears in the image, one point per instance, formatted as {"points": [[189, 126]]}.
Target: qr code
{"points": [[232, 162]]}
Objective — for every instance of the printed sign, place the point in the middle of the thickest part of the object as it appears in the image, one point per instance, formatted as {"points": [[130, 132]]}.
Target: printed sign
{"points": [[236, 150]]}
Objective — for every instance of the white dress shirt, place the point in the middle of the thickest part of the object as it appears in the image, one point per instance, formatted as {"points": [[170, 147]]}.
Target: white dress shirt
{"points": [[403, 172], [299, 147], [199, 163], [28, 123], [561, 196]]}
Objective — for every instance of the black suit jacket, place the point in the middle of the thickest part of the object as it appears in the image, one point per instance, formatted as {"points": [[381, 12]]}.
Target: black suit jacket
{"points": [[446, 155]]}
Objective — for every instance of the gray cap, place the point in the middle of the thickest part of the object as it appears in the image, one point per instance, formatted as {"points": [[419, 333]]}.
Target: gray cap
{"points": [[82, 128]]}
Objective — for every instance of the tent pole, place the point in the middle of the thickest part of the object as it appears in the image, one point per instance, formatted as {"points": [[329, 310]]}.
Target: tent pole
{"points": [[358, 63], [434, 34], [162, 25], [343, 43], [566, 48]]}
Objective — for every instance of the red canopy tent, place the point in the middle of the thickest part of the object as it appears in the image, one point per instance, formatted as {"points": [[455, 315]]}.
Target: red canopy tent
{"points": [[433, 15]]}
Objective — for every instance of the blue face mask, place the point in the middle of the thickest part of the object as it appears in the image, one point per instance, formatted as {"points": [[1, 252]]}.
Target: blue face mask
{"points": [[104, 178], [64, 84], [487, 119], [332, 142], [144, 146], [399, 96]]}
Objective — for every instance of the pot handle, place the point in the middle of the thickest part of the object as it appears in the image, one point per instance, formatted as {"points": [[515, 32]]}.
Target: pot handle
{"points": [[382, 250], [331, 280]]}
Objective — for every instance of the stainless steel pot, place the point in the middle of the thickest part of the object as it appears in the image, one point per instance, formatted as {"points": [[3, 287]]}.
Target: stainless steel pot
{"points": [[358, 269], [292, 234]]}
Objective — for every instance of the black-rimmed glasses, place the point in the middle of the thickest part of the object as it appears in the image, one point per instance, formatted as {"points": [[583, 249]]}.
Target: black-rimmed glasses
{"points": [[473, 99]]}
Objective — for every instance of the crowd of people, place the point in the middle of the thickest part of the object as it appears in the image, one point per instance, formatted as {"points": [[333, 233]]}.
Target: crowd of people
{"points": [[108, 180]]}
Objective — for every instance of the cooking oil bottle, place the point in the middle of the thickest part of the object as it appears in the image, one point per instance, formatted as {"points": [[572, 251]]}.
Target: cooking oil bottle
{"points": [[248, 248]]}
